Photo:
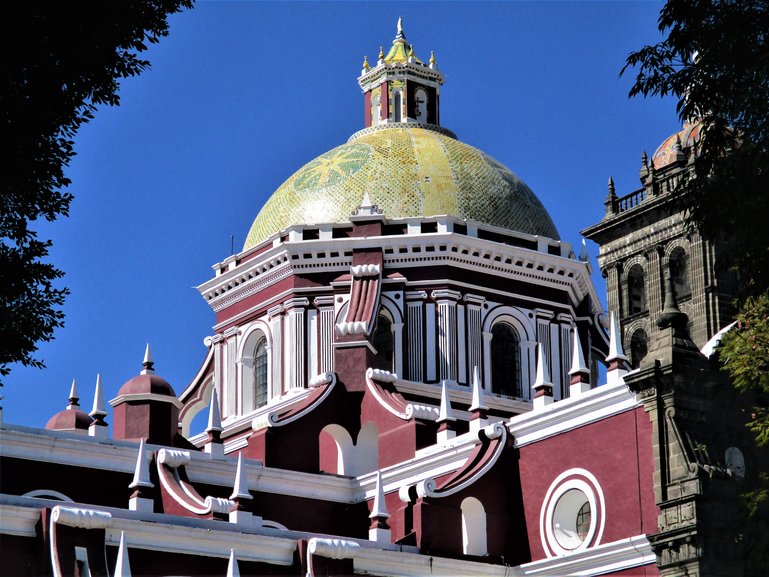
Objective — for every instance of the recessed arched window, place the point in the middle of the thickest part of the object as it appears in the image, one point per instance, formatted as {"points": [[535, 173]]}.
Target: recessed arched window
{"points": [[382, 339], [505, 360], [679, 273], [420, 100], [636, 286], [376, 110], [638, 347], [473, 527], [260, 373], [397, 106]]}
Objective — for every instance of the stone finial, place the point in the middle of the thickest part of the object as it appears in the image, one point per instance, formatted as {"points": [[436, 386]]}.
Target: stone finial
{"points": [[366, 65], [379, 531], [232, 566], [579, 373], [99, 409], [147, 363], [214, 414], [616, 357], [478, 407], [140, 499], [445, 413], [98, 427], [73, 396], [122, 566], [433, 62], [583, 255], [610, 202], [240, 489], [644, 172], [446, 420], [543, 387], [400, 33], [214, 445], [671, 315], [381, 55]]}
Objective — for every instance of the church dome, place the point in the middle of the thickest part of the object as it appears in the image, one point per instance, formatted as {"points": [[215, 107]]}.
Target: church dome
{"points": [[408, 170], [667, 152]]}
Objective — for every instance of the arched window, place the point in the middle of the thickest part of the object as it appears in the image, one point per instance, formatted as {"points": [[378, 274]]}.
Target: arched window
{"points": [[382, 340], [473, 527], [260, 373], [679, 273], [376, 110], [420, 100], [636, 287], [505, 360], [397, 106], [638, 347]]}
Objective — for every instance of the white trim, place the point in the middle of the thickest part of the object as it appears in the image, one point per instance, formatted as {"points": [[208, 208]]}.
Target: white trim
{"points": [[48, 494], [607, 558], [146, 397], [595, 405], [585, 482]]}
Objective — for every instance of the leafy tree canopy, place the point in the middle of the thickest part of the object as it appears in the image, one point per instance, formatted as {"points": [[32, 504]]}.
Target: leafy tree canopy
{"points": [[61, 61], [715, 60]]}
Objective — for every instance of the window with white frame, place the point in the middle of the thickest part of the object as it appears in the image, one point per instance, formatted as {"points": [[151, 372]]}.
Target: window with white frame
{"points": [[260, 373], [505, 360]]}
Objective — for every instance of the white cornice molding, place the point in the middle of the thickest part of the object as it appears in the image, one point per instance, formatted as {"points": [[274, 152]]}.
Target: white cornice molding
{"points": [[146, 397], [567, 414], [463, 395], [402, 251], [607, 558]]}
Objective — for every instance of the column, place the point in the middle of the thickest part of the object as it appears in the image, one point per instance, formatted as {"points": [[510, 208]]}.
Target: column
{"points": [[473, 332], [415, 325], [446, 301], [275, 318], [325, 306], [295, 343], [229, 396]]}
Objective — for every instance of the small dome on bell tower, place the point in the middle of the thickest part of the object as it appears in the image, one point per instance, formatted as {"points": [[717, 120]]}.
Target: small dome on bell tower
{"points": [[401, 88]]}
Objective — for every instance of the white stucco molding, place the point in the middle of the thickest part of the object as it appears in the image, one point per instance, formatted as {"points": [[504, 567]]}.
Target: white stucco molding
{"points": [[565, 415]]}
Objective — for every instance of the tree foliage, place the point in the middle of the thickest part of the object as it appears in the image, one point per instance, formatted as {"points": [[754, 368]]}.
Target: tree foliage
{"points": [[61, 61], [715, 60]]}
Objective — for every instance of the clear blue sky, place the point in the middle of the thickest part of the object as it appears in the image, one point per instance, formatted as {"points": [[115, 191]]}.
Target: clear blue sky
{"points": [[241, 94]]}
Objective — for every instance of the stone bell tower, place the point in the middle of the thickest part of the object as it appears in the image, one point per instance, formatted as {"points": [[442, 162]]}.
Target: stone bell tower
{"points": [[645, 242]]}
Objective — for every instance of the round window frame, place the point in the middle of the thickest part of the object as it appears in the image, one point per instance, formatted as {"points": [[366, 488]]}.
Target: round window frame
{"points": [[571, 480]]}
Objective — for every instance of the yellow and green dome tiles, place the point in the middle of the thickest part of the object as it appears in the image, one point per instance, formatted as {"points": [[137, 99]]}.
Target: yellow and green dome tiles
{"points": [[408, 171]]}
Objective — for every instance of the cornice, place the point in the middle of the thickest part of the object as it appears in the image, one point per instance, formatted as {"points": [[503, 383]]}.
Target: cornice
{"points": [[401, 251], [567, 414]]}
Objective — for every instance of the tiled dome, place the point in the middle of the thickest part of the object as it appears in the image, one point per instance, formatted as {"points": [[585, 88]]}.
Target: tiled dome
{"points": [[408, 170], [667, 151]]}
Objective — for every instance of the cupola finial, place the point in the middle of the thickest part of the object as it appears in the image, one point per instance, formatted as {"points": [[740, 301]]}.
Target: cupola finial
{"points": [[400, 33], [73, 396], [148, 363]]}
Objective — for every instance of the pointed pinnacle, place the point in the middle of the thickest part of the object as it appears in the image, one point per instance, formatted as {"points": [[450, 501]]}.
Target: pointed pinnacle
{"points": [[240, 488], [615, 342], [445, 413], [73, 396], [98, 400], [542, 377], [478, 402], [141, 470], [577, 357], [148, 363], [214, 415], [379, 507], [122, 567], [232, 567]]}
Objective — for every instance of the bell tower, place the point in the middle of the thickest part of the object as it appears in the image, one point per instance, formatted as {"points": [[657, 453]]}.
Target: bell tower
{"points": [[647, 248], [400, 87]]}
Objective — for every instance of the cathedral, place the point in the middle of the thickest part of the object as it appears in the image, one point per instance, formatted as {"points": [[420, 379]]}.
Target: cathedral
{"points": [[411, 374]]}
